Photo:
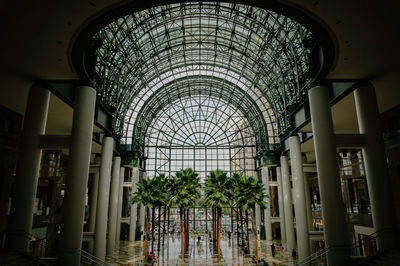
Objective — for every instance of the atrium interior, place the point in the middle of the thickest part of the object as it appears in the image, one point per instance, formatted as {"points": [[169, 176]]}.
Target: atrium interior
{"points": [[205, 133]]}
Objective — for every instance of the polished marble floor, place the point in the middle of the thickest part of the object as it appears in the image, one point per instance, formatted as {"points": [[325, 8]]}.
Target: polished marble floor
{"points": [[199, 253]]}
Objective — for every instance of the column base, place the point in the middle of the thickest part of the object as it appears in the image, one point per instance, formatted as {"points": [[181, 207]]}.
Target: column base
{"points": [[67, 257]]}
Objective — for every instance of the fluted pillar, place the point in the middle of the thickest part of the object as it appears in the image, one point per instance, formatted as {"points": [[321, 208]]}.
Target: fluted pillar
{"points": [[77, 176], [27, 174], [333, 211], [287, 200]]}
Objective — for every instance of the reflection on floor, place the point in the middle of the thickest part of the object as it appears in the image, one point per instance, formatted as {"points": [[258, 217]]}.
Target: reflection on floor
{"points": [[199, 253]]}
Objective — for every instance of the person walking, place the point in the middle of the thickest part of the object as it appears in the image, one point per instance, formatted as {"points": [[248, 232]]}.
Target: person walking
{"points": [[294, 255], [273, 250]]}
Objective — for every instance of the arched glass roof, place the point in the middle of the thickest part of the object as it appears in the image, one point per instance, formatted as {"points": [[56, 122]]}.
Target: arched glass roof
{"points": [[208, 86], [199, 120], [203, 132], [260, 52]]}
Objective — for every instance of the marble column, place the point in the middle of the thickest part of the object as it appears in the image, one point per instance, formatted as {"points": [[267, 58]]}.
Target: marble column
{"points": [[287, 201], [308, 197], [27, 172], [112, 213], [376, 169], [77, 177], [103, 201], [333, 211], [281, 205], [267, 210], [258, 220], [132, 226], [93, 201], [142, 212], [120, 198], [299, 200]]}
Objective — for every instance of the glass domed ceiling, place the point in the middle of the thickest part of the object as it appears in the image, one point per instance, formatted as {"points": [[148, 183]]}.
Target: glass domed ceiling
{"points": [[261, 52]]}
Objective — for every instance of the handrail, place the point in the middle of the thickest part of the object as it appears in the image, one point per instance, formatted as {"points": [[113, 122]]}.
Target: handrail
{"points": [[93, 259], [325, 250]]}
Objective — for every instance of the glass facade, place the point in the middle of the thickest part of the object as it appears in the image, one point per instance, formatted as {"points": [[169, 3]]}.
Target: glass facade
{"points": [[200, 132]]}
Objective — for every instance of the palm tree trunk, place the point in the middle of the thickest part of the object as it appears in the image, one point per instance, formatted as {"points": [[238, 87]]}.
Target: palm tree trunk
{"points": [[231, 220], [184, 227], [247, 231], [219, 235], [159, 230], [212, 223], [187, 229], [241, 227], [182, 237], [237, 224], [146, 249], [206, 222], [164, 229], [214, 228], [152, 228], [255, 234], [168, 219]]}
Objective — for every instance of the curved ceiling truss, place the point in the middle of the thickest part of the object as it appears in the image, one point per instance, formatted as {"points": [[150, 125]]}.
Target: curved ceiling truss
{"points": [[216, 88], [221, 77], [202, 132], [199, 121], [261, 49]]}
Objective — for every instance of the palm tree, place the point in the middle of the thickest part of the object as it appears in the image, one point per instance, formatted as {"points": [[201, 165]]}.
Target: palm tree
{"points": [[187, 192], [218, 194], [144, 196], [253, 193]]}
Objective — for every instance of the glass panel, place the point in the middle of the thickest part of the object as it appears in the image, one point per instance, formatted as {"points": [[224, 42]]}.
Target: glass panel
{"points": [[260, 52]]}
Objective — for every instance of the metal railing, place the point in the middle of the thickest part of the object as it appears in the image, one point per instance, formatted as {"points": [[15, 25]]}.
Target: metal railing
{"points": [[319, 257], [86, 258]]}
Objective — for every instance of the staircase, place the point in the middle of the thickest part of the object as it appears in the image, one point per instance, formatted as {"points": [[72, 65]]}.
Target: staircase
{"points": [[9, 258], [388, 257]]}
